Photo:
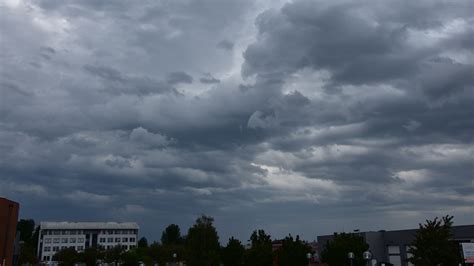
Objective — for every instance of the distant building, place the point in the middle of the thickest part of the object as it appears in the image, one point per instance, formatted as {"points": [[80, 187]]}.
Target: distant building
{"points": [[392, 246], [56, 236], [8, 221]]}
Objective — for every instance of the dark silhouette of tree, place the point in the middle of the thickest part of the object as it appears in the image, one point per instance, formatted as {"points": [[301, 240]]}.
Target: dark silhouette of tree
{"points": [[67, 257], [130, 258], [202, 243], [171, 235], [114, 254], [143, 242], [336, 250], [233, 253], [91, 255], [432, 245], [28, 241], [293, 252], [260, 253], [26, 227]]}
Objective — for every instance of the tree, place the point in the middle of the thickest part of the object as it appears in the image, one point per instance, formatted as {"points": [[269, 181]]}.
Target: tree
{"points": [[336, 250], [432, 245], [91, 255], [67, 257], [171, 235], [130, 258], [260, 253], [143, 242], [293, 252], [114, 254], [26, 227], [233, 253], [202, 243], [28, 241]]}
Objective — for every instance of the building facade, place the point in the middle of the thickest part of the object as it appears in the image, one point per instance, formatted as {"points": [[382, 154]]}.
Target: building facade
{"points": [[8, 221], [392, 246], [56, 236]]}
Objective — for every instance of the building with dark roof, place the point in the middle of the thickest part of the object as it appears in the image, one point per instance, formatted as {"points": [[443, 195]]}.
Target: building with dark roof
{"points": [[392, 246]]}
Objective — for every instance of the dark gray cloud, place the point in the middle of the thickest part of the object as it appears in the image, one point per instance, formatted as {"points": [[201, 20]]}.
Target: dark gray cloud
{"points": [[179, 77], [208, 79], [331, 112], [225, 45]]}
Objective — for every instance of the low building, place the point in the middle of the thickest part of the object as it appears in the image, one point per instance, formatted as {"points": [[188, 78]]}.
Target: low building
{"points": [[8, 221], [56, 236], [392, 246]]}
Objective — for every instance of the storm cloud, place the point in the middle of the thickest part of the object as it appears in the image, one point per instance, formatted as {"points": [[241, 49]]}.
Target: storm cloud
{"points": [[302, 117]]}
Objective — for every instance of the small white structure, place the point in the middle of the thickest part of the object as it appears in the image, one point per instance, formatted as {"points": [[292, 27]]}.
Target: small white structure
{"points": [[56, 236]]}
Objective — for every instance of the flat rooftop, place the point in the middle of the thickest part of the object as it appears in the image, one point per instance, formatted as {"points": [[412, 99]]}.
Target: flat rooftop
{"points": [[88, 225]]}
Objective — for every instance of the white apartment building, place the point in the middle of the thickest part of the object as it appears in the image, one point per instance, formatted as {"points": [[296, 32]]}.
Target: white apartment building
{"points": [[55, 236]]}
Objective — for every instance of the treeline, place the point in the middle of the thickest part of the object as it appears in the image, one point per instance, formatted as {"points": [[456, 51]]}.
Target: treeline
{"points": [[199, 247], [432, 245]]}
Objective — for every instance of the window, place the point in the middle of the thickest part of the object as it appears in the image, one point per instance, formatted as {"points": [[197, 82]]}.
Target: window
{"points": [[110, 232], [125, 239], [409, 255], [47, 249], [64, 240], [394, 255], [102, 240], [132, 239], [117, 232], [55, 248], [47, 240], [80, 240], [73, 232], [80, 248], [56, 240], [72, 240], [110, 240], [56, 232], [63, 247], [132, 246], [117, 239]]}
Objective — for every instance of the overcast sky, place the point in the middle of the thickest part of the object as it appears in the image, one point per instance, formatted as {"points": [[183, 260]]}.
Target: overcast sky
{"points": [[303, 117]]}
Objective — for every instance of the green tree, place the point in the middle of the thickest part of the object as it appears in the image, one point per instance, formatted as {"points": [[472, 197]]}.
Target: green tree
{"points": [[27, 255], [233, 253], [143, 243], [432, 244], [28, 241], [293, 252], [91, 255], [260, 253], [336, 250], [202, 243], [26, 227], [114, 254], [171, 235], [67, 257], [130, 258]]}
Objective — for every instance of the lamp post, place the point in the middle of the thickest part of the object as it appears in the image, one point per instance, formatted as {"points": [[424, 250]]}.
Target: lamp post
{"points": [[351, 256], [308, 256], [367, 256], [174, 258]]}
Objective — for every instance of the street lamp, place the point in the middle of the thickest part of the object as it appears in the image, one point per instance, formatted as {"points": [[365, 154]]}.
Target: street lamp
{"points": [[351, 256], [308, 256], [174, 258], [367, 256]]}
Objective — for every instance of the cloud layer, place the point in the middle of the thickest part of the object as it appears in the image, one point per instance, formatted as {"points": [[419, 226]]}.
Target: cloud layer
{"points": [[306, 117]]}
